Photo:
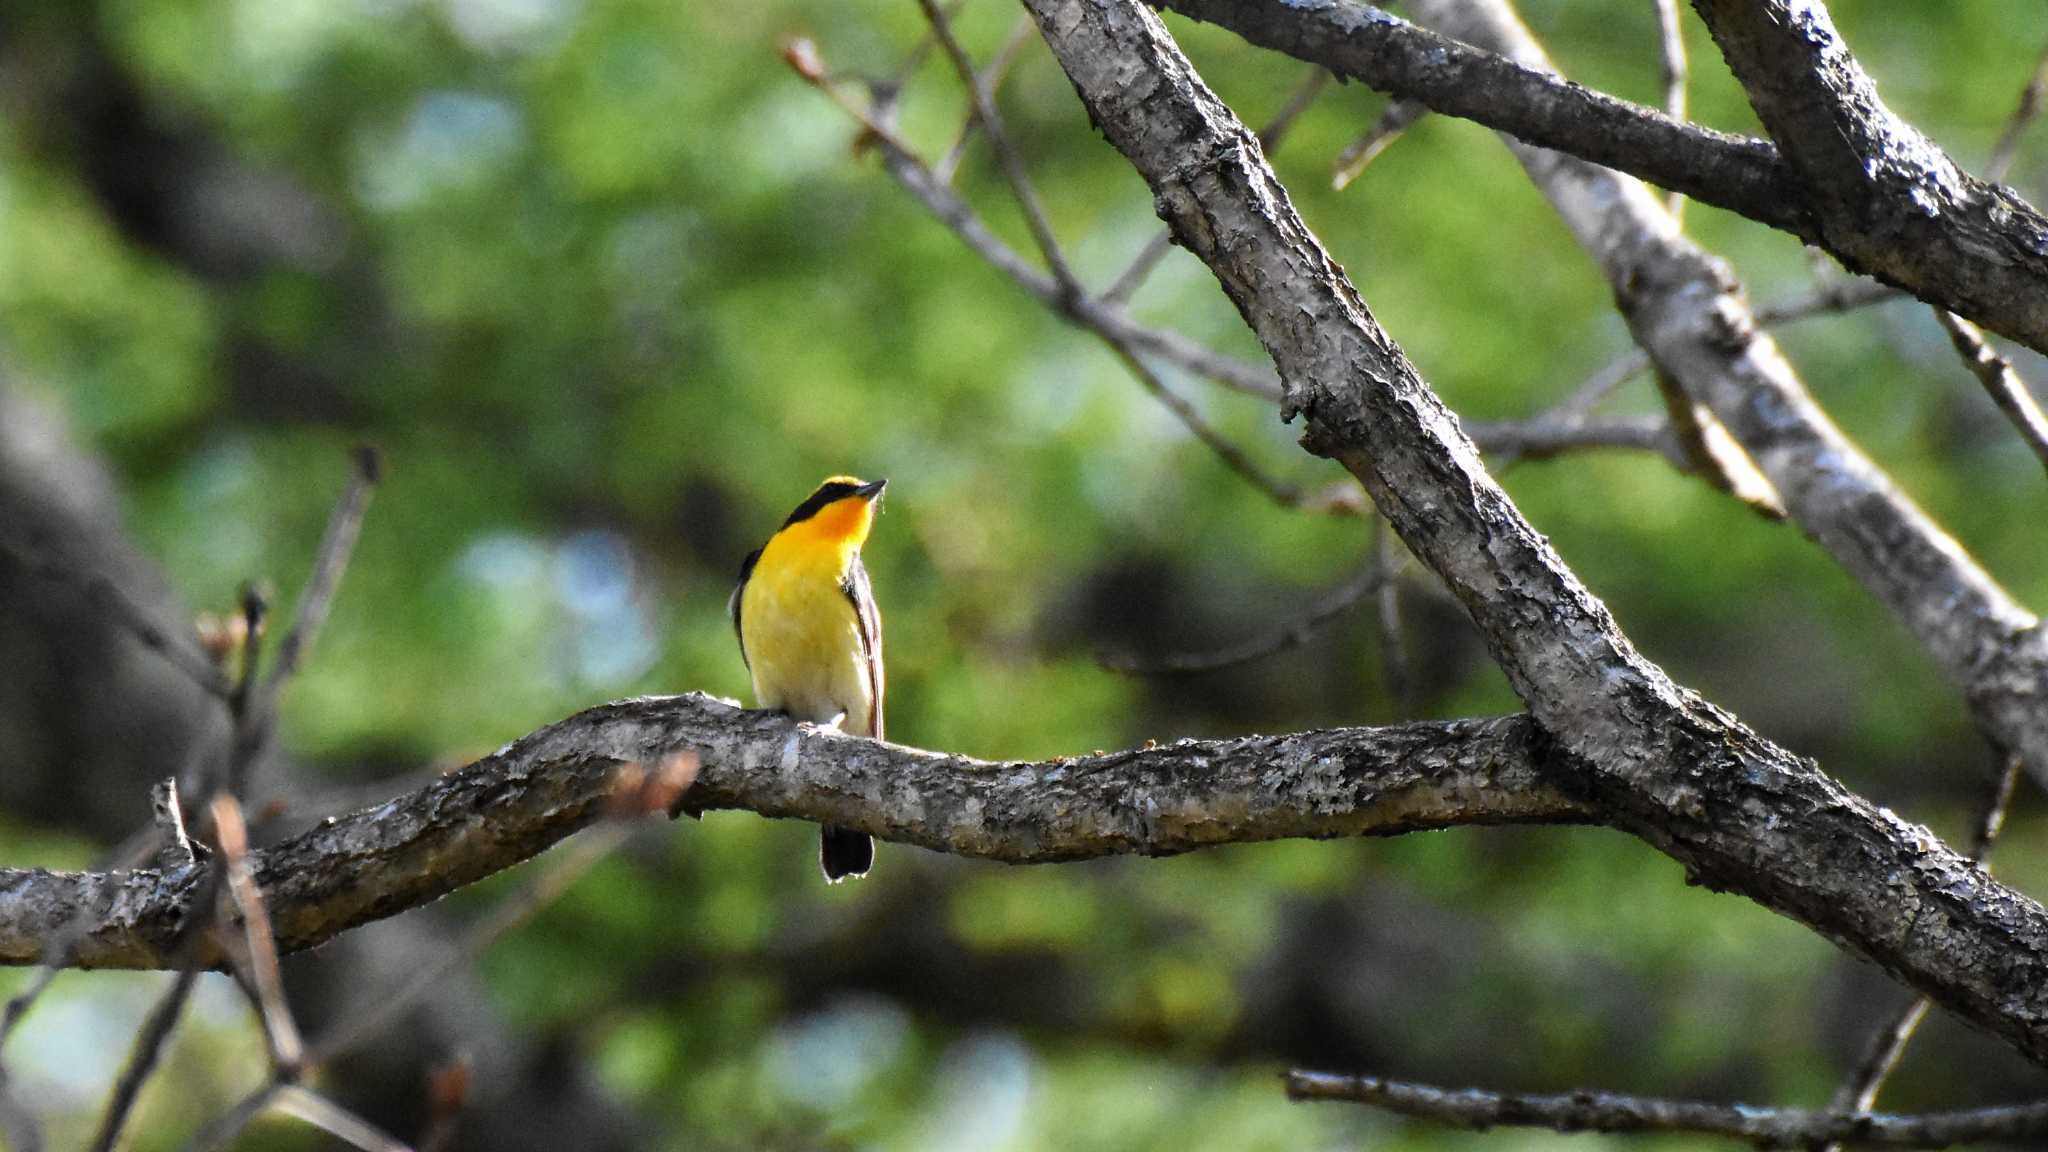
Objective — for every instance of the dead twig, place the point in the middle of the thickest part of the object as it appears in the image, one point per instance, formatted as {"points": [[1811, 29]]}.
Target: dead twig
{"points": [[1671, 39], [1397, 117], [286, 1048], [1292, 635], [1007, 157], [1996, 373], [1614, 1112]]}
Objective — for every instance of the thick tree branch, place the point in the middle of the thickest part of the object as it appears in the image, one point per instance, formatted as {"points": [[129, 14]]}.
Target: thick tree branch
{"points": [[1886, 199], [1357, 40], [1661, 762], [513, 805], [1962, 244], [1613, 1112], [1685, 308]]}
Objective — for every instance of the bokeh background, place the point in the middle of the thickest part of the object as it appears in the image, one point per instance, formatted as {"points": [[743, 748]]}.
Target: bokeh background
{"points": [[612, 289]]}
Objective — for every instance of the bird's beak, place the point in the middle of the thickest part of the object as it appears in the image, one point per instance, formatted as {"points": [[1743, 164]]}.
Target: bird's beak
{"points": [[871, 491]]}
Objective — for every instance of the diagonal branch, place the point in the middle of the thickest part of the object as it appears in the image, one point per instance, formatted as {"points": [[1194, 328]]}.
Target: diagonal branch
{"points": [[1668, 766], [1613, 1112], [2003, 384], [1980, 249], [1685, 308], [1885, 199]]}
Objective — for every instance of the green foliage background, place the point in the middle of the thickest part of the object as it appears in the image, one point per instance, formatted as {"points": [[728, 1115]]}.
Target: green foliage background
{"points": [[612, 289]]}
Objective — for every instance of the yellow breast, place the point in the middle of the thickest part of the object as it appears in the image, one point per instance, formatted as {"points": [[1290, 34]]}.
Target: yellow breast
{"points": [[803, 638]]}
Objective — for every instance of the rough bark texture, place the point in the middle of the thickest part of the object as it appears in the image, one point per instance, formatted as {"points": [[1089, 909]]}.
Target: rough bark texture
{"points": [[1916, 221], [515, 804], [1391, 55], [1886, 199], [1742, 814], [1686, 309]]}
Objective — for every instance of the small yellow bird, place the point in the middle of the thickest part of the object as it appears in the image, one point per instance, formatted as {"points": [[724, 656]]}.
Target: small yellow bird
{"points": [[810, 633]]}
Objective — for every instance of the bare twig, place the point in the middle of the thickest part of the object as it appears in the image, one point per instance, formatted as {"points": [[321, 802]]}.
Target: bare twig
{"points": [[388, 1009], [1387, 560], [223, 1129], [1087, 313], [633, 791], [1887, 1045], [1671, 36], [1021, 33], [1612, 1112], [286, 1049], [1294, 634], [1007, 158], [101, 592], [1546, 436], [1830, 299], [302, 1103], [1397, 117], [1281, 492], [1107, 320], [1996, 373], [2023, 115], [143, 1057], [336, 544]]}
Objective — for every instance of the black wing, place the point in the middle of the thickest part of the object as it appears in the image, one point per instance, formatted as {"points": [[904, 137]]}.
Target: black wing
{"points": [[857, 589], [732, 604]]}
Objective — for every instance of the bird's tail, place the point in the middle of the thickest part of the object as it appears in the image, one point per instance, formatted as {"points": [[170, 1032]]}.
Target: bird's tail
{"points": [[843, 853]]}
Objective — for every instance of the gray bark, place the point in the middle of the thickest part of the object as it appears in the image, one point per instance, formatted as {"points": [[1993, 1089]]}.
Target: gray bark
{"points": [[1887, 200], [1918, 221], [511, 806], [1741, 813], [1686, 309]]}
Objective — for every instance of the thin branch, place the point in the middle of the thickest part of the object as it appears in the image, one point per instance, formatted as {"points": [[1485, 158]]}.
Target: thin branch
{"points": [[1543, 437], [1281, 492], [1396, 118], [1122, 338], [1671, 40], [224, 1128], [1996, 373], [1295, 633], [336, 545], [1020, 34], [101, 592], [304, 1104], [1107, 320], [676, 774], [143, 1057], [1830, 299], [2029, 107], [1007, 159], [286, 1048], [1613, 1112]]}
